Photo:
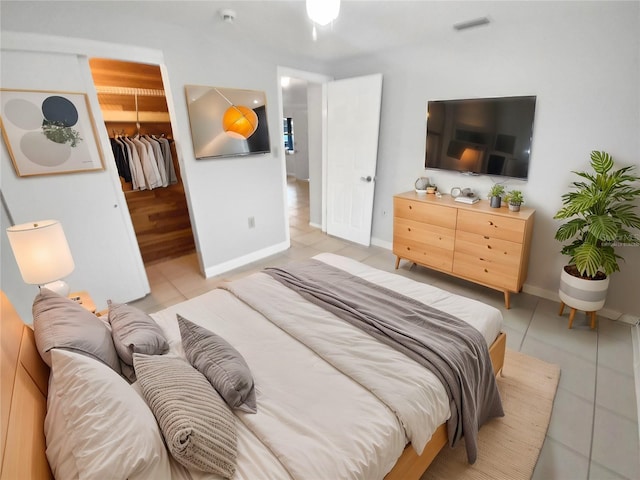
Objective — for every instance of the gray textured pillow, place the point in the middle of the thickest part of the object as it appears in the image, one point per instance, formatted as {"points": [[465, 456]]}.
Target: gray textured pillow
{"points": [[134, 331], [197, 425], [59, 322], [222, 364]]}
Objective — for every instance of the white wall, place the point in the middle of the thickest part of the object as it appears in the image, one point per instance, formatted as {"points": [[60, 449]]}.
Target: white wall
{"points": [[221, 194], [90, 206], [583, 65]]}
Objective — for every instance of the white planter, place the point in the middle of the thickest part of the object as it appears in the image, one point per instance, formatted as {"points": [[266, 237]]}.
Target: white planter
{"points": [[581, 294]]}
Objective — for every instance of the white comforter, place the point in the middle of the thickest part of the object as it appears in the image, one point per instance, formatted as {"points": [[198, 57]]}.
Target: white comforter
{"points": [[313, 421]]}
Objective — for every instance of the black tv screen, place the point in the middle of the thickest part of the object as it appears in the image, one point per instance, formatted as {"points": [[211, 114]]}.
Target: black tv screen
{"points": [[490, 136]]}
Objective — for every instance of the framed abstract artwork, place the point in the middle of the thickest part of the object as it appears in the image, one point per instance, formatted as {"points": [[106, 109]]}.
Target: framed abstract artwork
{"points": [[227, 122], [49, 132]]}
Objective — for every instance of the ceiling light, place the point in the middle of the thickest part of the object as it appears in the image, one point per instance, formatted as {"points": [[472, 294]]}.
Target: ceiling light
{"points": [[323, 12]]}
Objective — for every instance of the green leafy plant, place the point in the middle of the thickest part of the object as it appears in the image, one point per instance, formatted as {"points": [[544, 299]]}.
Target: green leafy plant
{"points": [[601, 211], [59, 133], [514, 197], [497, 190]]}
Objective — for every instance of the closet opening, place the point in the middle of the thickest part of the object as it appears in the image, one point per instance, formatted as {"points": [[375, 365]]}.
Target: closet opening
{"points": [[134, 108]]}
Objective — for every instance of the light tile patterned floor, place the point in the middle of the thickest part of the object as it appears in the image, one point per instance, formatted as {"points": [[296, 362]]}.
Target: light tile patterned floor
{"points": [[594, 426]]}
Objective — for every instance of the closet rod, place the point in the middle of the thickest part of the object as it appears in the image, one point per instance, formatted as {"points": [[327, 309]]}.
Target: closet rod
{"points": [[141, 92]]}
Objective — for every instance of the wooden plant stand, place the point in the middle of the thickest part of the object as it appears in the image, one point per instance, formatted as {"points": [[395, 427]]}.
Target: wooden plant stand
{"points": [[572, 314]]}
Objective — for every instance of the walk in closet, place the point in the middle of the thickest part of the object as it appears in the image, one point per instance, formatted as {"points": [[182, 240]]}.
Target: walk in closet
{"points": [[136, 116]]}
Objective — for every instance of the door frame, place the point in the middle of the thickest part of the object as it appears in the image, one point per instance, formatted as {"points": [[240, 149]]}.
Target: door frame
{"points": [[321, 79]]}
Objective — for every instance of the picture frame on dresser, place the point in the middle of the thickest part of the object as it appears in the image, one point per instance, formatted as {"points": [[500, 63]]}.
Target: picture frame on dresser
{"points": [[484, 245]]}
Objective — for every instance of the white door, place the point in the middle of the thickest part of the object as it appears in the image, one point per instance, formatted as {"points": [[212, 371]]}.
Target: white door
{"points": [[353, 121]]}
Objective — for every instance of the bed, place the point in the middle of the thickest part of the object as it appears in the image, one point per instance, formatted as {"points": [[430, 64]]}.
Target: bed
{"points": [[319, 414]]}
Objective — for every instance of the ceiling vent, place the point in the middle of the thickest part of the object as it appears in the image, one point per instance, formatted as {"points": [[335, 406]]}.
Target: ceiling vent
{"points": [[471, 23]]}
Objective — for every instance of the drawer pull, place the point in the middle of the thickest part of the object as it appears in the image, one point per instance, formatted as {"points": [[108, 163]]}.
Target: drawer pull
{"points": [[410, 207], [486, 238], [408, 249], [408, 229], [439, 238], [489, 247], [490, 222], [486, 271], [481, 259]]}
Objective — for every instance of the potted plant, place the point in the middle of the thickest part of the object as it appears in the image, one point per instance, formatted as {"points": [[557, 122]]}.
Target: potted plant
{"points": [[514, 199], [600, 211], [495, 195]]}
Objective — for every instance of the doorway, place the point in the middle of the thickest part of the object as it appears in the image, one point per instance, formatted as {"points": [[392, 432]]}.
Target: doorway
{"points": [[296, 149], [303, 101], [134, 108]]}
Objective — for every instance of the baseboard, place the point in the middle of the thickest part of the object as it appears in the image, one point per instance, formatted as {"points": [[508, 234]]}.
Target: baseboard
{"points": [[245, 260], [381, 243], [605, 312]]}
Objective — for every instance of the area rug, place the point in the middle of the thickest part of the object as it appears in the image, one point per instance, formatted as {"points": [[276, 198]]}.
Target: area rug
{"points": [[508, 447]]}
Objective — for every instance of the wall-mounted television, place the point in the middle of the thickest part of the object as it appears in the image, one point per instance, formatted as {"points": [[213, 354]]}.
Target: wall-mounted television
{"points": [[489, 136]]}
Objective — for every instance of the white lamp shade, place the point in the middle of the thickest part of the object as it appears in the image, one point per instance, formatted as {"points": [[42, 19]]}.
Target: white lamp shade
{"points": [[41, 251], [323, 11]]}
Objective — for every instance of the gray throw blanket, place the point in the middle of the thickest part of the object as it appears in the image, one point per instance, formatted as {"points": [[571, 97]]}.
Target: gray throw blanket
{"points": [[452, 349]]}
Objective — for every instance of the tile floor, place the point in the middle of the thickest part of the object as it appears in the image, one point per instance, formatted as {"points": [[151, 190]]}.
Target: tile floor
{"points": [[593, 432]]}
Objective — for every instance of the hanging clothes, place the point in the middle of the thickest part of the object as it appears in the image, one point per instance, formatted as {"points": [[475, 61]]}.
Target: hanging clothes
{"points": [[159, 158], [135, 165], [145, 161], [149, 165], [168, 160], [122, 160]]}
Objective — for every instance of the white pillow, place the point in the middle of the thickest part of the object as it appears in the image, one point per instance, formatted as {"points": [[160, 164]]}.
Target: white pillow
{"points": [[97, 426]]}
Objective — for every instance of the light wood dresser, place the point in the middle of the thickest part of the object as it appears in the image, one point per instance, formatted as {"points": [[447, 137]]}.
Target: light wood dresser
{"points": [[488, 246]]}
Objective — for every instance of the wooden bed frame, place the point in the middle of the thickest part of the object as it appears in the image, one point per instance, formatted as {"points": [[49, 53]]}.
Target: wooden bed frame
{"points": [[25, 378], [24, 405]]}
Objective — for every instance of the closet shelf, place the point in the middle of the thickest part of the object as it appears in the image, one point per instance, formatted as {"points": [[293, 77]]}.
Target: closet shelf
{"points": [[141, 92], [131, 116]]}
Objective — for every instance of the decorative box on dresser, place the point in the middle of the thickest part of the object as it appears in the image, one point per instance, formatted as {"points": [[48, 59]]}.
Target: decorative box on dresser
{"points": [[488, 246]]}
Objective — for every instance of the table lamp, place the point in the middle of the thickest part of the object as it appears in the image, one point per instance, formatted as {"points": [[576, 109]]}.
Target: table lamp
{"points": [[42, 254]]}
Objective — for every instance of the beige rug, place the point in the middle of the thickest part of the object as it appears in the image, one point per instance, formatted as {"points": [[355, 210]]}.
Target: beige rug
{"points": [[508, 447]]}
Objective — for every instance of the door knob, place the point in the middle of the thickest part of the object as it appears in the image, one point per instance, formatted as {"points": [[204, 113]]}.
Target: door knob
{"points": [[366, 179]]}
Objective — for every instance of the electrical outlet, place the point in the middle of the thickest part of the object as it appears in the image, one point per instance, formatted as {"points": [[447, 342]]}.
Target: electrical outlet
{"points": [[252, 222]]}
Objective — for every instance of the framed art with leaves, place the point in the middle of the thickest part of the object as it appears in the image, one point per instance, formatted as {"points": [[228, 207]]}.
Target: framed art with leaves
{"points": [[49, 132]]}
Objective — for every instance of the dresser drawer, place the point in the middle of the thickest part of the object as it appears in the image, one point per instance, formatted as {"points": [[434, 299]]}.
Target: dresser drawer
{"points": [[426, 213], [493, 226], [429, 235], [429, 255], [485, 271], [490, 249]]}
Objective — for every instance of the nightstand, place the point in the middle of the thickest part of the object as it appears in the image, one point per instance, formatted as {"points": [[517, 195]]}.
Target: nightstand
{"points": [[84, 299]]}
